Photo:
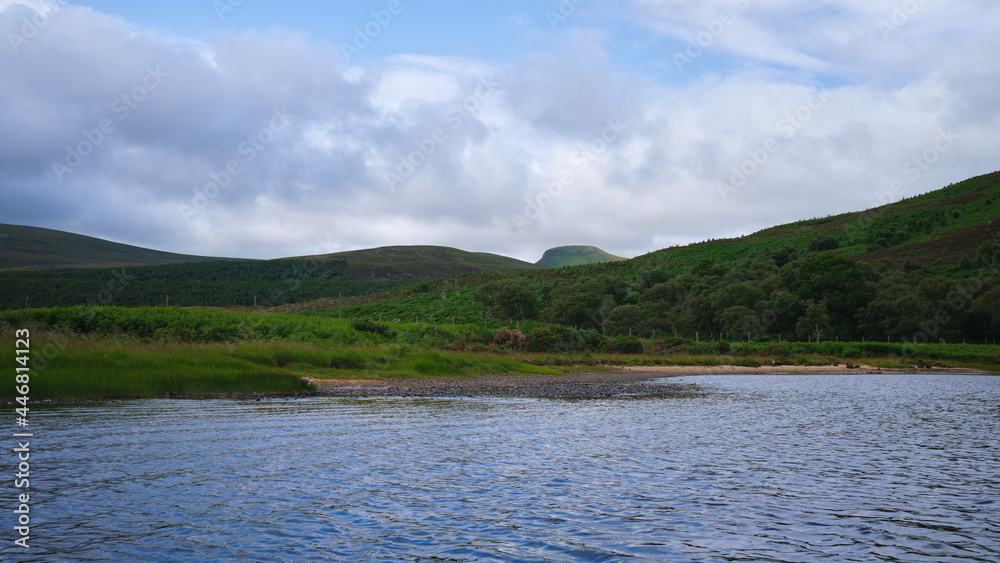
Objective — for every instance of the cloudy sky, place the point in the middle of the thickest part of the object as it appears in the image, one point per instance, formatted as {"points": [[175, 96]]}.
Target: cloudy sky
{"points": [[253, 128]]}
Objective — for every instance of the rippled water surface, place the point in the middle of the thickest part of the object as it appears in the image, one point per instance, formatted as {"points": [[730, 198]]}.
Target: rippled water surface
{"points": [[749, 468]]}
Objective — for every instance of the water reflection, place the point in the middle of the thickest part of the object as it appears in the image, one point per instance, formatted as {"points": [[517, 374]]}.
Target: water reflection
{"points": [[769, 468]]}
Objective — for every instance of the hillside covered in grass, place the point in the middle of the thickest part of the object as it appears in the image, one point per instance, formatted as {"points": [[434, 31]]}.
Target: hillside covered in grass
{"points": [[925, 269], [563, 256], [246, 283], [34, 247], [421, 263]]}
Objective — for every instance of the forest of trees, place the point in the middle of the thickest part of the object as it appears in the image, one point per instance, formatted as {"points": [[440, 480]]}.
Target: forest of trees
{"points": [[237, 282], [785, 294]]}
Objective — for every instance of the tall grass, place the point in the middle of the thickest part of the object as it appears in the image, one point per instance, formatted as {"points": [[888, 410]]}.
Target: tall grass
{"points": [[95, 370], [109, 371]]}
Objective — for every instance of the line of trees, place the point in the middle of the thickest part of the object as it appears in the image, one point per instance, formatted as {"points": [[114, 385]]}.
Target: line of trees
{"points": [[784, 294], [221, 283]]}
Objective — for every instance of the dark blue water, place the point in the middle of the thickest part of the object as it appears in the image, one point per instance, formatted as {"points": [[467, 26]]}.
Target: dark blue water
{"points": [[751, 468]]}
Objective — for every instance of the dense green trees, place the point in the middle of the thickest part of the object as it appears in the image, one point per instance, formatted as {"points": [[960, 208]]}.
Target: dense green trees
{"points": [[509, 299], [787, 294], [578, 304], [221, 283]]}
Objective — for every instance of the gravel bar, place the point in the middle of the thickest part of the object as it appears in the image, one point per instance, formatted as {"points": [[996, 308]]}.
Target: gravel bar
{"points": [[580, 385]]}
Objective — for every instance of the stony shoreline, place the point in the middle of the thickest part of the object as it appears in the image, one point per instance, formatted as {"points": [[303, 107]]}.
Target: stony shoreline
{"points": [[579, 385], [630, 381]]}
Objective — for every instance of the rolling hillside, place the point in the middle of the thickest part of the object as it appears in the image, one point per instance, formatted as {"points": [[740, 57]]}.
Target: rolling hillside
{"points": [[575, 256], [34, 247], [421, 263], [922, 270], [222, 283], [935, 229]]}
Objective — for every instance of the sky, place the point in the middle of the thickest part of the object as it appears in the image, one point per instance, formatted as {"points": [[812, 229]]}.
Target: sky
{"points": [[258, 129]]}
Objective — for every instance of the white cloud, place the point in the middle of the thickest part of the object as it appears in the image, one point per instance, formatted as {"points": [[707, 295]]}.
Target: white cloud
{"points": [[500, 135]]}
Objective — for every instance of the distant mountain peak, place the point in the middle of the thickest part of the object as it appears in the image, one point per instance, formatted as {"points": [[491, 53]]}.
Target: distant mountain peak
{"points": [[561, 256]]}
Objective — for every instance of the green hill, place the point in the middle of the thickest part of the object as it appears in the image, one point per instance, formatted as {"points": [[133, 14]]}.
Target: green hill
{"points": [[935, 229], [35, 247], [575, 256], [221, 283], [421, 263], [922, 270]]}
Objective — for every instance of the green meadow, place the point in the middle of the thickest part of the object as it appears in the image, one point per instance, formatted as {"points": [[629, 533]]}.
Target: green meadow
{"points": [[100, 353]]}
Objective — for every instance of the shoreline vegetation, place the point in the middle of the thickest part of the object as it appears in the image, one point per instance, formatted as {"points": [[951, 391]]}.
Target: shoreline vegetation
{"points": [[96, 354]]}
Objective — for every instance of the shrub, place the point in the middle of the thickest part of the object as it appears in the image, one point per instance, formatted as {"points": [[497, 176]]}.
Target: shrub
{"points": [[513, 339], [465, 340], [628, 345], [824, 243], [741, 350], [544, 339], [364, 325], [776, 350], [591, 340]]}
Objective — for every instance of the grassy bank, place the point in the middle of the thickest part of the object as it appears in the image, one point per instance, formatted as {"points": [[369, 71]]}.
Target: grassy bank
{"points": [[88, 370], [103, 369], [111, 352], [93, 370]]}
